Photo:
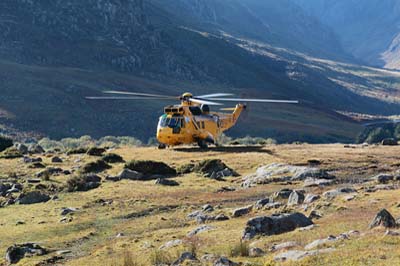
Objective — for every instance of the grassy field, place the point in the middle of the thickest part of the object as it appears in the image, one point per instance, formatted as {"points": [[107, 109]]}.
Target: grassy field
{"points": [[143, 216]]}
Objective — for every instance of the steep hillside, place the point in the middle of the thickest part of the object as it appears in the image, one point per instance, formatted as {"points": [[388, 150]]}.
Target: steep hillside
{"points": [[369, 29], [279, 23], [81, 48]]}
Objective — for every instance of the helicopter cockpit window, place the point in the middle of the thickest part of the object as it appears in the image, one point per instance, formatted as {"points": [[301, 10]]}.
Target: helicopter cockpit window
{"points": [[172, 122]]}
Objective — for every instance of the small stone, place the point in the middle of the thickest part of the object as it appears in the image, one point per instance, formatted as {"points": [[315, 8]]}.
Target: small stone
{"points": [[56, 159], [295, 198], [284, 246], [256, 252], [242, 211], [200, 229], [207, 208], [310, 198]]}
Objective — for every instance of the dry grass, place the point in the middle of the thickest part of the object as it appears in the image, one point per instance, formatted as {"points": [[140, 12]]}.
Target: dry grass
{"points": [[91, 235]]}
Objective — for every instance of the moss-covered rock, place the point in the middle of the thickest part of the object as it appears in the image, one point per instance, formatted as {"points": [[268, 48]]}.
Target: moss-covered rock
{"points": [[83, 182], [112, 158], [149, 168], [95, 167]]}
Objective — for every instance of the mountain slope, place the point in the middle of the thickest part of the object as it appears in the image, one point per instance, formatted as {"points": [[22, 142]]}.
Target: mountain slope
{"points": [[369, 29], [81, 48], [279, 23]]}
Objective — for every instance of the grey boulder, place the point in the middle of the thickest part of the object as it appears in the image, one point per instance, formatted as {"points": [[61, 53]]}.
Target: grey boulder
{"points": [[275, 224]]}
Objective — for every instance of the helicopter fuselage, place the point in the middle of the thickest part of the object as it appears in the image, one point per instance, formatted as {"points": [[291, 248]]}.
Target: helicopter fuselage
{"points": [[190, 123]]}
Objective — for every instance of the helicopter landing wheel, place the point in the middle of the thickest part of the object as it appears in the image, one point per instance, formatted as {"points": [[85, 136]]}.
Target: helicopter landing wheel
{"points": [[202, 144], [162, 146]]}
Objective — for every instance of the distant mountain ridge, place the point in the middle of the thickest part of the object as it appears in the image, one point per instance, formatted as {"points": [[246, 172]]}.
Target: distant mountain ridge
{"points": [[368, 29]]}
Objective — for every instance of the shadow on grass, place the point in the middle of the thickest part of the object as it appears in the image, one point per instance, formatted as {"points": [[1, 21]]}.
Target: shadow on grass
{"points": [[227, 149]]}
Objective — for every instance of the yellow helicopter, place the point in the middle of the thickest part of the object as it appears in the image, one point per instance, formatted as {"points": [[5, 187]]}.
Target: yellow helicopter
{"points": [[192, 121]]}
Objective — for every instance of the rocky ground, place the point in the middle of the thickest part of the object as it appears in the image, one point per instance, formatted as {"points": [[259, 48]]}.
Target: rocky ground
{"points": [[263, 205]]}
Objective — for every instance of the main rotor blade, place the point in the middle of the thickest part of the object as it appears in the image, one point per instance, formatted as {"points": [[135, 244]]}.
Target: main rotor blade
{"points": [[124, 98], [214, 95], [254, 100], [204, 102], [140, 94]]}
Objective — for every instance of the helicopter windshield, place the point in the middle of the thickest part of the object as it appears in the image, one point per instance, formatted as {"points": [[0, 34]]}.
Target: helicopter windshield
{"points": [[172, 122]]}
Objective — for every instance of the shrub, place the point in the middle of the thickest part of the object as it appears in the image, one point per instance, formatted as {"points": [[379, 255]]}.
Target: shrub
{"points": [[185, 169], [11, 153], [49, 144], [5, 143], [240, 249], [94, 151], [95, 167], [151, 168], [83, 183], [113, 158], [77, 151]]}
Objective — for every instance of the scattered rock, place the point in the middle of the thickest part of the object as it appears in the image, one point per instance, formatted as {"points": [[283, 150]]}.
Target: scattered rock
{"points": [[200, 229], [56, 159], [223, 261], [275, 224], [313, 182], [296, 198], [27, 159], [382, 178], [392, 233], [261, 203], [383, 218], [207, 208], [281, 194], [16, 252], [296, 255], [130, 174], [186, 256], [314, 215], [21, 148], [310, 198], [35, 149], [63, 252], [33, 197], [68, 210], [221, 217], [284, 246], [226, 189], [273, 205], [214, 168], [34, 180], [339, 191], [171, 244], [256, 252], [320, 242], [242, 211], [349, 197], [166, 182]]}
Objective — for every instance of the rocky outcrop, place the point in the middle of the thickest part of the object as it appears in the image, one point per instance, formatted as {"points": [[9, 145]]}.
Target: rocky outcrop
{"points": [[274, 225], [16, 252], [278, 172]]}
